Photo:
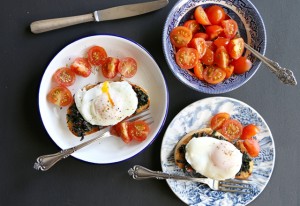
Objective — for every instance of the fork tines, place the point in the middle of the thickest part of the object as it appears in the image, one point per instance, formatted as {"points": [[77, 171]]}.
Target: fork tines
{"points": [[145, 116], [235, 186]]}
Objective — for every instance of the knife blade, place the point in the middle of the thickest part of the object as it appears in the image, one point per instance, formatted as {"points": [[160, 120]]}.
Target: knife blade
{"points": [[117, 12]]}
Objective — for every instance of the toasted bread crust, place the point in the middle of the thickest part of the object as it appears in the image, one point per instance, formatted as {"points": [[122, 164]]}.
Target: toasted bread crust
{"points": [[179, 153], [81, 128]]}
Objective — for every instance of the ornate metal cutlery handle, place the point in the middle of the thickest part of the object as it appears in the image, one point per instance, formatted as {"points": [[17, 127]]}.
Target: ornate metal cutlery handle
{"points": [[140, 173], [286, 76], [45, 162]]}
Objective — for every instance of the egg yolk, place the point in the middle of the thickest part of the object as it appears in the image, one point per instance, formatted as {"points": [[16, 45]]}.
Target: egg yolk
{"points": [[223, 156], [105, 89]]}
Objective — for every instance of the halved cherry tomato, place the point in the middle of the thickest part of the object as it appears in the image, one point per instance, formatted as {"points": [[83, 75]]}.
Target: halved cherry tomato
{"points": [[97, 55], [198, 44], [213, 75], [252, 147], [138, 130], [215, 14], [110, 67], [60, 96], [249, 131], [180, 36], [211, 45], [186, 58], [201, 16], [221, 41], [127, 67], [192, 25], [217, 121], [221, 58], [241, 65], [122, 131], [213, 31], [202, 35], [81, 66], [208, 57], [64, 77], [230, 28], [232, 129], [198, 70], [235, 48], [229, 71]]}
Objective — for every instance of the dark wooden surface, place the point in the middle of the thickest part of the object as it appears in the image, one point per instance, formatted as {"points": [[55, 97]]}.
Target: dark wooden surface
{"points": [[24, 57]]}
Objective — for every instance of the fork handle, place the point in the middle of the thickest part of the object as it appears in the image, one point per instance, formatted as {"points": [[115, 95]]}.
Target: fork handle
{"points": [[45, 162], [286, 76], [140, 173]]}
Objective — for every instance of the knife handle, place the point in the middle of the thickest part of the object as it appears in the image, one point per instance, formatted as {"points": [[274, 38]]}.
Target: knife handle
{"points": [[51, 24]]}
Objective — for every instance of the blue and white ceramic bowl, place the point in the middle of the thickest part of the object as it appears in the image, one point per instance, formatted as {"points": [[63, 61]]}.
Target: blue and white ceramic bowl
{"points": [[251, 28], [198, 115]]}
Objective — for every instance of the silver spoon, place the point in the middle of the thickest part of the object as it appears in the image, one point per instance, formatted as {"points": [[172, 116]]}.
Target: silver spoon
{"points": [[286, 76]]}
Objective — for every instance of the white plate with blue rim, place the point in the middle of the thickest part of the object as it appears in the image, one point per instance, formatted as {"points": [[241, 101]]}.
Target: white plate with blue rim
{"points": [[251, 28], [197, 115], [148, 76]]}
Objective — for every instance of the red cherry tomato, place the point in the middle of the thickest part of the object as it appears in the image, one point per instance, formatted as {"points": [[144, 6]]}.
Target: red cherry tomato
{"points": [[249, 131], [198, 44], [211, 45], [121, 129], [208, 58], [138, 130], [127, 67], [217, 121], [180, 36], [213, 31], [235, 48], [110, 67], [252, 147], [60, 96], [201, 16], [215, 14], [241, 65], [81, 66], [232, 129], [97, 55], [229, 71], [186, 58], [230, 28], [198, 70], [192, 25], [221, 58], [64, 77], [221, 41], [213, 75], [202, 35]]}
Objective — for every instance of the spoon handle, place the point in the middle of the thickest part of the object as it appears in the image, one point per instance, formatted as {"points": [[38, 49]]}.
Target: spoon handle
{"points": [[286, 76]]}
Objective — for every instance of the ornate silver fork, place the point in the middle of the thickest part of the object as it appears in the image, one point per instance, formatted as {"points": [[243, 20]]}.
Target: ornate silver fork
{"points": [[240, 186], [45, 162]]}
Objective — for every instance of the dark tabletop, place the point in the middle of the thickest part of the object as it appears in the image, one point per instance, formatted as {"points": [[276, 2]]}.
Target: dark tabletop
{"points": [[24, 57]]}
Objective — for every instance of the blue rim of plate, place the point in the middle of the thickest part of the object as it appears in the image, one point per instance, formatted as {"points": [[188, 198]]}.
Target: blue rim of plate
{"points": [[252, 29], [139, 45], [197, 115]]}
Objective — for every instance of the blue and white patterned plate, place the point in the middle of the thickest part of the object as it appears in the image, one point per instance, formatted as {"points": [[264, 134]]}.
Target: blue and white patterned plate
{"points": [[198, 115], [251, 28]]}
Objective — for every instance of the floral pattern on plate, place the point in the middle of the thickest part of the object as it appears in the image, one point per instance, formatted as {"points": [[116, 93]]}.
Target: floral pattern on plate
{"points": [[198, 115]]}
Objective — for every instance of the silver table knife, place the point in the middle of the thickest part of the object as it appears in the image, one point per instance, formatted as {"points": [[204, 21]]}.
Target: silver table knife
{"points": [[118, 12]]}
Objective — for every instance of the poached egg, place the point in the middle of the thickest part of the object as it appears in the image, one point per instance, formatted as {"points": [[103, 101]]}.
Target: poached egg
{"points": [[213, 158], [107, 103]]}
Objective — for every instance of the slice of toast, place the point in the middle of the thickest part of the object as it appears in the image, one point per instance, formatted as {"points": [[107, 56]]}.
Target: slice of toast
{"points": [[80, 128], [179, 152]]}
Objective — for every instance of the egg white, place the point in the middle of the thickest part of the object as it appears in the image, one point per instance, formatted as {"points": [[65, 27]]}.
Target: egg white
{"points": [[213, 158], [96, 108]]}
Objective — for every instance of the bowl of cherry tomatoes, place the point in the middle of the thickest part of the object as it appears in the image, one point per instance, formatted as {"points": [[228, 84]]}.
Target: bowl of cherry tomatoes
{"points": [[204, 43]]}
